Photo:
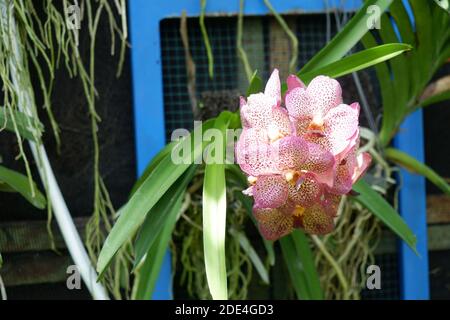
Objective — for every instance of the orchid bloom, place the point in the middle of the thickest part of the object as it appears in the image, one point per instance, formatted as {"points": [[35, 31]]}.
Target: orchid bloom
{"points": [[300, 156]]}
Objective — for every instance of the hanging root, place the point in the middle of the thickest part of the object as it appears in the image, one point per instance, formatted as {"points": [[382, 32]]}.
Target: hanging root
{"points": [[47, 42], [188, 243]]}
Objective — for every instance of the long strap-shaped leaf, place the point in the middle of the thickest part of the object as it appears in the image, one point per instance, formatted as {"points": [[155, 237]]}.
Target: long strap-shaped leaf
{"points": [[370, 199], [357, 61], [214, 222], [167, 207], [19, 183], [299, 260], [345, 40], [155, 234], [414, 165]]}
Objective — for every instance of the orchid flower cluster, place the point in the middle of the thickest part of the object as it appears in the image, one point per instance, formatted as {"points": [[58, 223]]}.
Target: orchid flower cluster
{"points": [[300, 154]]}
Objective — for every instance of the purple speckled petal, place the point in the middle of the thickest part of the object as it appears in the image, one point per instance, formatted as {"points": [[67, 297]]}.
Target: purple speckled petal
{"points": [[270, 191], [326, 93], [273, 87]]}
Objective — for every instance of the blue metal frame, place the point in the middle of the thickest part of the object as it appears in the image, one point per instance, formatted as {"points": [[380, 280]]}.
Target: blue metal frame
{"points": [[412, 200], [145, 17]]}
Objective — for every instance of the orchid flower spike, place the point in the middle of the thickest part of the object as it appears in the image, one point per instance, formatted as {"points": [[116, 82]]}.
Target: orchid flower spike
{"points": [[300, 154]]}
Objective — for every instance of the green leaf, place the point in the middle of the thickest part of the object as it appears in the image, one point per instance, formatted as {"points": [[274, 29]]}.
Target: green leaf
{"points": [[154, 236], [403, 22], [214, 224], [152, 165], [214, 211], [253, 256], [148, 272], [6, 188], [444, 4], [386, 89], [307, 259], [21, 184], [347, 38], [357, 61], [296, 271], [167, 207], [300, 262], [418, 167], [26, 126], [256, 84], [401, 71], [425, 38], [435, 99], [370, 199], [165, 174]]}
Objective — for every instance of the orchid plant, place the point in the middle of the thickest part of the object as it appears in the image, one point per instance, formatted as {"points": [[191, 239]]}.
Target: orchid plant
{"points": [[297, 155]]}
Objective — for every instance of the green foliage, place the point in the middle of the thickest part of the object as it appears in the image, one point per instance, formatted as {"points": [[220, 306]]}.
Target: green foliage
{"points": [[165, 209], [12, 181], [403, 79], [214, 216], [372, 200], [346, 39], [153, 239], [159, 180], [358, 61], [256, 84], [26, 126], [417, 167], [300, 262]]}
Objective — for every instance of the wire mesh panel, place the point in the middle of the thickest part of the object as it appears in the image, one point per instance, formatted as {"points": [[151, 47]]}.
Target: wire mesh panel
{"points": [[266, 49]]}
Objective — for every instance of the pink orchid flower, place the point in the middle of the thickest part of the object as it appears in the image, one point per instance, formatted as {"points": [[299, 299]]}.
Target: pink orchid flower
{"points": [[319, 115], [300, 157]]}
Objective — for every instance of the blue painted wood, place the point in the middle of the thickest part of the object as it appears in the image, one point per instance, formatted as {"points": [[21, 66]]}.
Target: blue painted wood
{"points": [[412, 200], [414, 270]]}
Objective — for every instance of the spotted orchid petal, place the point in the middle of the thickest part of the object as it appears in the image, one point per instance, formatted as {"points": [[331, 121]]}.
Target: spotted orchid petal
{"points": [[349, 171], [256, 112], [363, 161], [273, 87], [340, 125], [254, 154], [306, 191], [294, 82], [344, 172], [316, 220], [270, 191], [274, 223], [292, 152], [326, 93], [299, 103], [321, 163], [279, 125]]}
